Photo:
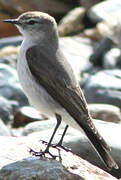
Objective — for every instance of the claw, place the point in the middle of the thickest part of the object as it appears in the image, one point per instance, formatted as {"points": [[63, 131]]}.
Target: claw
{"points": [[57, 146], [42, 153]]}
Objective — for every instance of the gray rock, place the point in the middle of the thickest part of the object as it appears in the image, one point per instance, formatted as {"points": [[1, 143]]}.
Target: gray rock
{"points": [[37, 169], [77, 141], [41, 126], [104, 87], [81, 145], [104, 10], [4, 131], [68, 166], [15, 41], [77, 50], [111, 59], [9, 60], [88, 3], [7, 108], [97, 57], [9, 85]]}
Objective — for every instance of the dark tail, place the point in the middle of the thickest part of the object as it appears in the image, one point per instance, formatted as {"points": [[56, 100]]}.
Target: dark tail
{"points": [[101, 147]]}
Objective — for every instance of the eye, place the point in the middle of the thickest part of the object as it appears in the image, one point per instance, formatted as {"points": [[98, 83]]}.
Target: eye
{"points": [[31, 22]]}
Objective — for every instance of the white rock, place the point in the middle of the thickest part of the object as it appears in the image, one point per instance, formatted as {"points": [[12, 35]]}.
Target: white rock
{"points": [[104, 10]]}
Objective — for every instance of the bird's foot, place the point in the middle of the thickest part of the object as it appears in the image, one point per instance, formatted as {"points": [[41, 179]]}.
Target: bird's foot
{"points": [[42, 153], [57, 146]]}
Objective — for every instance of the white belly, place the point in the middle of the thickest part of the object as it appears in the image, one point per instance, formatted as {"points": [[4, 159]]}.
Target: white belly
{"points": [[36, 94]]}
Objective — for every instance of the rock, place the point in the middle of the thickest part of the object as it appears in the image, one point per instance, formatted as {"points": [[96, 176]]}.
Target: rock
{"points": [[9, 60], [9, 55], [9, 50], [78, 142], [111, 59], [6, 29], [104, 87], [104, 10], [89, 3], [72, 22], [25, 115], [10, 41], [9, 85], [105, 112], [46, 173], [13, 8], [110, 27], [67, 166], [40, 126], [37, 168], [105, 29], [77, 50], [7, 108], [92, 34], [16, 132], [97, 57], [4, 131], [54, 7]]}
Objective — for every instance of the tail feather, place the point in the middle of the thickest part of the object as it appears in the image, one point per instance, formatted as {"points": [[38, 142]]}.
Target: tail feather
{"points": [[102, 148]]}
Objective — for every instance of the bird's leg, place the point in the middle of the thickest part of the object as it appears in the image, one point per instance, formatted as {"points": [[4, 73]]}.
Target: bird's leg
{"points": [[61, 140], [59, 144], [62, 137], [46, 151]]}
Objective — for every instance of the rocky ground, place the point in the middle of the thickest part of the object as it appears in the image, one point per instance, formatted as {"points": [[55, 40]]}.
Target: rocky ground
{"points": [[90, 39]]}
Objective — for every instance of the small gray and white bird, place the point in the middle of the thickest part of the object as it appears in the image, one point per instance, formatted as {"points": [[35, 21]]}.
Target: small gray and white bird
{"points": [[49, 82]]}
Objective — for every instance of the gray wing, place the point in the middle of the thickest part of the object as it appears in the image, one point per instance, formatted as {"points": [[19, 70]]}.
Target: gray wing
{"points": [[54, 73], [57, 77]]}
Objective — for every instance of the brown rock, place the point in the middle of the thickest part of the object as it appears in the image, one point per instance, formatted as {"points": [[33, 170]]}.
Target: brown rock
{"points": [[8, 51], [6, 29], [92, 34], [105, 112], [26, 115], [89, 3], [67, 167], [72, 22], [54, 7], [13, 8]]}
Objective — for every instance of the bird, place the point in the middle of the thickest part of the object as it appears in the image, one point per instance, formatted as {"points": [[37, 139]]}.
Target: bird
{"points": [[49, 82]]}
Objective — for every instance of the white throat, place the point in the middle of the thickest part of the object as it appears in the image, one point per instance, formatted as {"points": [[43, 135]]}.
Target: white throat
{"points": [[31, 36]]}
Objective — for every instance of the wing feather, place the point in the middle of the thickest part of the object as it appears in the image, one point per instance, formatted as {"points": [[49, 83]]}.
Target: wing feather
{"points": [[57, 77], [59, 81]]}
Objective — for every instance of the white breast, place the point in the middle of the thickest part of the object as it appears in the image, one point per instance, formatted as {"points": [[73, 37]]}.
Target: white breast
{"points": [[36, 94]]}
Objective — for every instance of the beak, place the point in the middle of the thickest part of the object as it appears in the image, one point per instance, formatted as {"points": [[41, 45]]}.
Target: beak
{"points": [[12, 21]]}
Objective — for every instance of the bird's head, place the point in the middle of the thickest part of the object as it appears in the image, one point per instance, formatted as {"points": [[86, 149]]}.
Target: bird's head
{"points": [[35, 24]]}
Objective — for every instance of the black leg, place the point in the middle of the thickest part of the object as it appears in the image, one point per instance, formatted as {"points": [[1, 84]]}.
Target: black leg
{"points": [[62, 137], [46, 151], [61, 140], [58, 117], [59, 144]]}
